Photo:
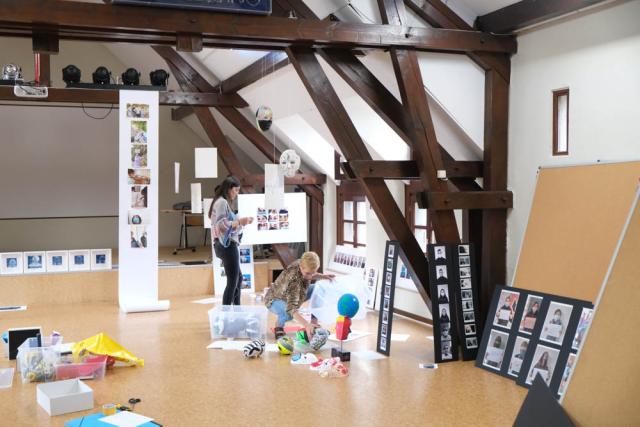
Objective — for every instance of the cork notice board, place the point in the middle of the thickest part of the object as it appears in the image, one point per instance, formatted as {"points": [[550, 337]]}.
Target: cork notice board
{"points": [[605, 386], [576, 219]]}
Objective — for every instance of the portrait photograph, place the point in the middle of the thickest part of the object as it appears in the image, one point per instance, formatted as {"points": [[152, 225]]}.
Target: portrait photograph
{"points": [[467, 305], [445, 331], [80, 260], [495, 349], [386, 304], [443, 294], [138, 132], [470, 329], [139, 196], [583, 324], [139, 217], [530, 315], [139, 176], [472, 342], [555, 323], [506, 309], [465, 283], [387, 291], [519, 351], [389, 265], [441, 273], [139, 156], [465, 272], [463, 249], [385, 317], [137, 111], [387, 279], [57, 261], [543, 364], [383, 343], [468, 316], [440, 253], [11, 263], [245, 252], [567, 373], [446, 350], [138, 236], [34, 262], [464, 261], [383, 330], [466, 295], [444, 313], [391, 251]]}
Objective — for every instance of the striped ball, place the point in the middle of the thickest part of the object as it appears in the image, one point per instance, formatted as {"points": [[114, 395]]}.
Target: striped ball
{"points": [[254, 349]]}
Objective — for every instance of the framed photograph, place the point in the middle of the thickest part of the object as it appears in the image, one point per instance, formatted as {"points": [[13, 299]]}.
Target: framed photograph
{"points": [[11, 263], [465, 283], [531, 310], [463, 249], [472, 342], [520, 350], [544, 363], [571, 361], [57, 261], [445, 313], [80, 260], [34, 262], [465, 272], [101, 259], [468, 316], [583, 324], [494, 353], [470, 329], [556, 322], [506, 309], [443, 294], [440, 254], [441, 273], [464, 261]]}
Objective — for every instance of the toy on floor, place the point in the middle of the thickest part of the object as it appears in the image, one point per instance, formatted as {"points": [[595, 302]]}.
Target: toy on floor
{"points": [[254, 349], [330, 368], [303, 359], [285, 345], [319, 338], [348, 306]]}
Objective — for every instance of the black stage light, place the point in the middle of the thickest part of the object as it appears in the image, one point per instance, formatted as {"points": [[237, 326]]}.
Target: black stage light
{"points": [[131, 77], [102, 76], [71, 74], [159, 77]]}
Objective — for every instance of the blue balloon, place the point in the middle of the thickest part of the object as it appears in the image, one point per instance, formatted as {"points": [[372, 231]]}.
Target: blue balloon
{"points": [[348, 305]]}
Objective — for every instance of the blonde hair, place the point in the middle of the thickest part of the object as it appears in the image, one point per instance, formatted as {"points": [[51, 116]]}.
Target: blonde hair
{"points": [[310, 260]]}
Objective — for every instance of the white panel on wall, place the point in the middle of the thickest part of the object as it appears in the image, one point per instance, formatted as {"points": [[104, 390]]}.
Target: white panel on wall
{"points": [[206, 162], [285, 225]]}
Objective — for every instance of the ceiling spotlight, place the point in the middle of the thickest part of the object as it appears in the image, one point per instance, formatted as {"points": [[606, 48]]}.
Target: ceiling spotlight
{"points": [[131, 77], [102, 76], [11, 72], [159, 77], [71, 74]]}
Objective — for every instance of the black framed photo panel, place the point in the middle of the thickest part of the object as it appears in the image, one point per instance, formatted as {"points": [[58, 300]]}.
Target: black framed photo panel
{"points": [[557, 336], [387, 293], [443, 300], [465, 289]]}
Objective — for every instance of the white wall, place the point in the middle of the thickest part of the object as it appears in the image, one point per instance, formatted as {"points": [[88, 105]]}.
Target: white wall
{"points": [[597, 56]]}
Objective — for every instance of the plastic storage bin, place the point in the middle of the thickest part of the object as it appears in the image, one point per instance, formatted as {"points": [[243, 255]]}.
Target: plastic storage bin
{"points": [[37, 364], [91, 368], [238, 321]]}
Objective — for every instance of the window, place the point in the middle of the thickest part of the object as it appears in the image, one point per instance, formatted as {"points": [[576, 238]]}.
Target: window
{"points": [[417, 218], [561, 122], [352, 215]]}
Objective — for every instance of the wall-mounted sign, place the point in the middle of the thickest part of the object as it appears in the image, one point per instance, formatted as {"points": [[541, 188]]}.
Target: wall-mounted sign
{"points": [[260, 7]]}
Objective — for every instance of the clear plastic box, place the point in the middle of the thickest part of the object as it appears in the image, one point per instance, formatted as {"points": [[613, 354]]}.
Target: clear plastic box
{"points": [[91, 368], [37, 364], [238, 321]]}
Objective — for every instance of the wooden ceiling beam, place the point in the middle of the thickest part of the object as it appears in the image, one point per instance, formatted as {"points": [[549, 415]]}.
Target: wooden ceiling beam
{"points": [[298, 179], [529, 12], [89, 18], [469, 200], [108, 96], [408, 169], [353, 147]]}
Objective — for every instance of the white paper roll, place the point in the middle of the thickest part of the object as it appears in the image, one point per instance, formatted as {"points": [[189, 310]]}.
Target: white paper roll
{"points": [[196, 198], [141, 307], [273, 187], [176, 167]]}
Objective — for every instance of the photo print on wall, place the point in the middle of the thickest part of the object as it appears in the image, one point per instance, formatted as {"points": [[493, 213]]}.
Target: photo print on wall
{"points": [[138, 132], [139, 176], [137, 111]]}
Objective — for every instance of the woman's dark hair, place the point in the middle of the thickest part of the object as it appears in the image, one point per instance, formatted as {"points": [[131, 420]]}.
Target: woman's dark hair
{"points": [[222, 190]]}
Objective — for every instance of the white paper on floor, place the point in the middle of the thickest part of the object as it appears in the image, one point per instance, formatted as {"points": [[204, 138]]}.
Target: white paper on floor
{"points": [[228, 345], [354, 335], [126, 419], [272, 348], [367, 355], [211, 300], [399, 337], [430, 338]]}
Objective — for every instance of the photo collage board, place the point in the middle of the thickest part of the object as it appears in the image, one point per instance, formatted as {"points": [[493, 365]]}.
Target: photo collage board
{"points": [[246, 269], [387, 293], [530, 333], [466, 293], [441, 283], [348, 260], [139, 174]]}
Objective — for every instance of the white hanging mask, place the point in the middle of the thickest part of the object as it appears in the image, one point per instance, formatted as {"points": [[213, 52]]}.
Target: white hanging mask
{"points": [[289, 163]]}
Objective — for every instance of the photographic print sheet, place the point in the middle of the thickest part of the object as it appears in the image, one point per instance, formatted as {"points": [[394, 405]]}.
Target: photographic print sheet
{"points": [[385, 319], [445, 330], [288, 224], [466, 297]]}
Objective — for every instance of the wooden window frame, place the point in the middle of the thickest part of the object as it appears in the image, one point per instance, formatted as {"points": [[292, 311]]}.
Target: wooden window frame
{"points": [[349, 191], [557, 94]]}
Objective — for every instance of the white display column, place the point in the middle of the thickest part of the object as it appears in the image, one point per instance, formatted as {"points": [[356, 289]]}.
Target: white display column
{"points": [[138, 201]]}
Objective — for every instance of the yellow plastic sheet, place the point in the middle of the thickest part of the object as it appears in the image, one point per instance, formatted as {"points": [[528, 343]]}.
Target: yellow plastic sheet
{"points": [[104, 345]]}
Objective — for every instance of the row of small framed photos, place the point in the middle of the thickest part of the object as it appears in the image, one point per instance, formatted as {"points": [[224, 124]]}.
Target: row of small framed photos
{"points": [[531, 333], [387, 295], [12, 263]]}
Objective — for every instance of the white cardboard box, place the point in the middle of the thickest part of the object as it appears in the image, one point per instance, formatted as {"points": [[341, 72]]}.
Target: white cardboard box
{"points": [[62, 397]]}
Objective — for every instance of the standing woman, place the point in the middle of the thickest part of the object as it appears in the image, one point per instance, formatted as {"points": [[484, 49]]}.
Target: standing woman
{"points": [[226, 228]]}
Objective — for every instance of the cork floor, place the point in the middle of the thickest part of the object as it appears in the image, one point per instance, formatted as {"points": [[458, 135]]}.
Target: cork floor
{"points": [[184, 384]]}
